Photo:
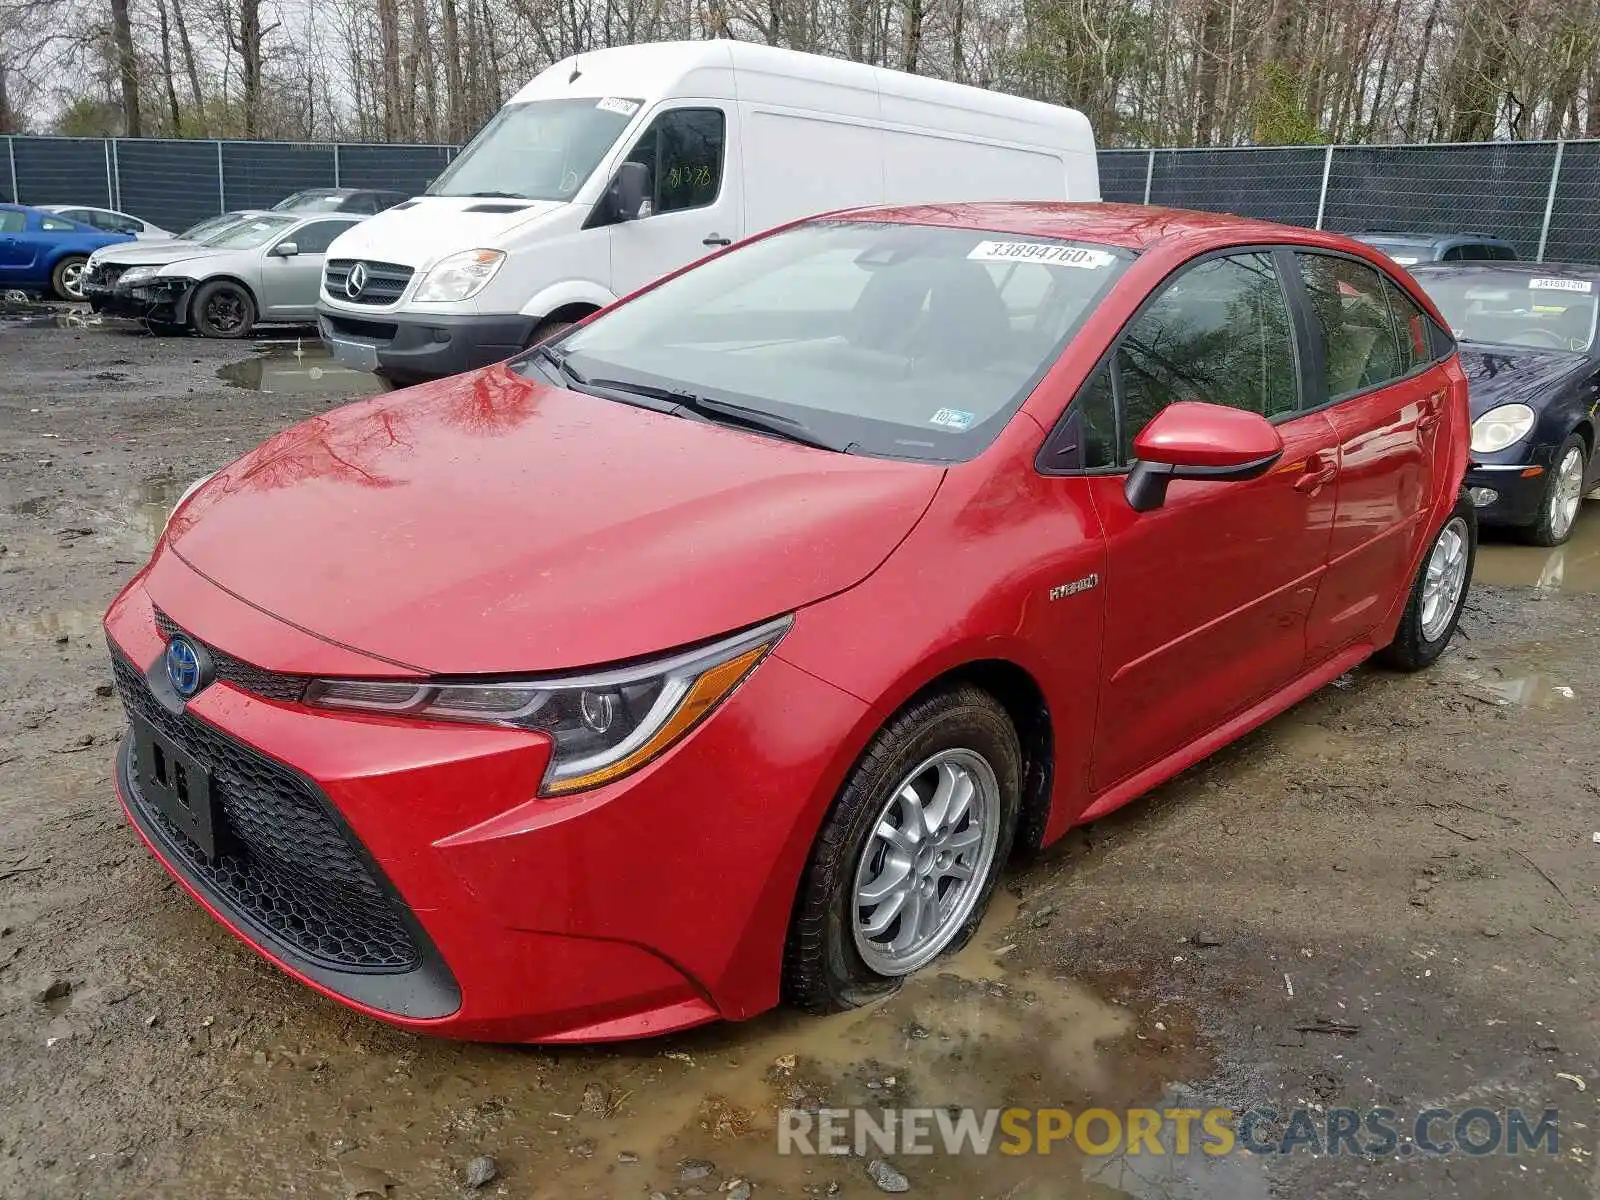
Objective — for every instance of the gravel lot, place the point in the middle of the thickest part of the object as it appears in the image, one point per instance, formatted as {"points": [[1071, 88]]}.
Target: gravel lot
{"points": [[1386, 897]]}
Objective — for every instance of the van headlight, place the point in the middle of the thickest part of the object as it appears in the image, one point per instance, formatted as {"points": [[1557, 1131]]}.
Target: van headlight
{"points": [[604, 724], [1501, 427], [460, 276]]}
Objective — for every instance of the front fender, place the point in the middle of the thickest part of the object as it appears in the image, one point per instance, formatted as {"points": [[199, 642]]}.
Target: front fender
{"points": [[569, 291]]}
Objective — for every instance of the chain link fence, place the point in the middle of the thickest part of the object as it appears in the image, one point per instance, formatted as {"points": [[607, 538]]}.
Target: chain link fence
{"points": [[1544, 197], [176, 183]]}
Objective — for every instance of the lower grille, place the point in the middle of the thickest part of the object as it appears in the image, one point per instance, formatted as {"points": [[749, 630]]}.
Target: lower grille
{"points": [[104, 276], [258, 681], [285, 867]]}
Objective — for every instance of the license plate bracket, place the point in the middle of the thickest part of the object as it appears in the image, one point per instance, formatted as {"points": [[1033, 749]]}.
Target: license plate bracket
{"points": [[177, 784]]}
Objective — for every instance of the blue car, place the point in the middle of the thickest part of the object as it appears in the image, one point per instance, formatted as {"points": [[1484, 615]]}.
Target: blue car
{"points": [[43, 252]]}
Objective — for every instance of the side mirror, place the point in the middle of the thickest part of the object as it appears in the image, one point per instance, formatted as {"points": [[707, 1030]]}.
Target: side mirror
{"points": [[1190, 440], [629, 188], [285, 250]]}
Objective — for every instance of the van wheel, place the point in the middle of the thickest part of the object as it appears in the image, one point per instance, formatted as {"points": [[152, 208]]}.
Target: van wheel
{"points": [[221, 309], [910, 853], [546, 331], [66, 281], [1438, 594]]}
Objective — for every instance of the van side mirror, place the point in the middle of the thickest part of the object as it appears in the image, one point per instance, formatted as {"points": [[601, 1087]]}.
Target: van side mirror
{"points": [[630, 186], [285, 250], [1191, 440]]}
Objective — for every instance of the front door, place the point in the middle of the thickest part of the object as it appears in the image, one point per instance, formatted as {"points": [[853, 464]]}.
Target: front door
{"points": [[16, 253], [1386, 399], [1207, 596], [694, 201], [290, 285]]}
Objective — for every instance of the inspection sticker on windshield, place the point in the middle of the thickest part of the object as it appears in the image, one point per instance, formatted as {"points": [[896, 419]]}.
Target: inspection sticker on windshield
{"points": [[952, 418], [615, 104], [1561, 285], [1051, 254]]}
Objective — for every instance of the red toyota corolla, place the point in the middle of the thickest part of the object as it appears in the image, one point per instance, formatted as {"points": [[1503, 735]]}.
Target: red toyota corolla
{"points": [[724, 649]]}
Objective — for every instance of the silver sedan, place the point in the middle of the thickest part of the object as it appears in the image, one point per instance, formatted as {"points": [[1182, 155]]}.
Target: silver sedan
{"points": [[266, 268]]}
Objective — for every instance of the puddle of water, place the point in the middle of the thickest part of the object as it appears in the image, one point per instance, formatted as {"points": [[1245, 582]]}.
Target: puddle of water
{"points": [[1313, 741], [301, 368], [140, 513], [1574, 567], [47, 316], [974, 1030], [46, 627], [1523, 691]]}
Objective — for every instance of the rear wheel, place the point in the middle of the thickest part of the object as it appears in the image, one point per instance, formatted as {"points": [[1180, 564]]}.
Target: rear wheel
{"points": [[222, 309], [907, 859], [67, 278], [1563, 494], [1438, 594]]}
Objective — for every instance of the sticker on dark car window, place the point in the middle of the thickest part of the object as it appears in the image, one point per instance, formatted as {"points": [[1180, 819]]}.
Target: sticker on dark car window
{"points": [[1561, 285]]}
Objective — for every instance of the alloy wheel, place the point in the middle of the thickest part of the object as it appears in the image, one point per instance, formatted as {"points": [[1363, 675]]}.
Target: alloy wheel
{"points": [[926, 861], [1566, 493], [72, 280], [1446, 579], [225, 312]]}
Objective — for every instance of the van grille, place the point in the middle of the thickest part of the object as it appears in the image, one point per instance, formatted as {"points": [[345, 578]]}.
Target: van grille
{"points": [[385, 282]]}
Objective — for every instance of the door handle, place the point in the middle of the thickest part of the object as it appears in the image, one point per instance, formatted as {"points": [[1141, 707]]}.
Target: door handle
{"points": [[1318, 474], [716, 239]]}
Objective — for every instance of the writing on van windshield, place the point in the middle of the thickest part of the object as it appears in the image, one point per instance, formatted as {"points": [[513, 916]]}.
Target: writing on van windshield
{"points": [[614, 104], [1051, 254]]}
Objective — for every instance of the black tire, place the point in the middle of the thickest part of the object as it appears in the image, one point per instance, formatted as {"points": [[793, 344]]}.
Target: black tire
{"points": [[546, 331], [1412, 649], [222, 309], [66, 280], [1545, 531], [823, 970]]}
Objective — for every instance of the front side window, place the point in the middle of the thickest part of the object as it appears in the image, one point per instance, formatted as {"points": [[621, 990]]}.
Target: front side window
{"points": [[11, 221], [907, 341], [537, 150], [683, 150], [1219, 334], [1362, 347], [316, 237]]}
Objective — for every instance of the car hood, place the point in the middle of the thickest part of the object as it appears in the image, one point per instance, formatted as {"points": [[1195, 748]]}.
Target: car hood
{"points": [[487, 523], [145, 253], [431, 227], [1515, 375]]}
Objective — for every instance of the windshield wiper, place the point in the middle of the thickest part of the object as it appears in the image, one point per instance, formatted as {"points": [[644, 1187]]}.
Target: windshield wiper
{"points": [[724, 412], [496, 196]]}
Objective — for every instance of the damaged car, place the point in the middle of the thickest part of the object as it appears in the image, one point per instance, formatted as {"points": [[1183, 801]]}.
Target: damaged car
{"points": [[264, 269]]}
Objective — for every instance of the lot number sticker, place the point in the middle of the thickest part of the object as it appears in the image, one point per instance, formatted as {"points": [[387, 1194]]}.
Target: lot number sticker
{"points": [[624, 108], [1051, 254], [1561, 285], [952, 418]]}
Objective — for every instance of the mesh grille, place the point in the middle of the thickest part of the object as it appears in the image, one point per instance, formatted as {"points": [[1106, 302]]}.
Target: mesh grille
{"points": [[258, 681], [283, 864], [385, 282]]}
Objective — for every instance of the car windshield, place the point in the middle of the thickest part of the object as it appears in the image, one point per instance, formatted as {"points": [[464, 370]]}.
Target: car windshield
{"points": [[1512, 308], [311, 200], [250, 232], [905, 341], [538, 150]]}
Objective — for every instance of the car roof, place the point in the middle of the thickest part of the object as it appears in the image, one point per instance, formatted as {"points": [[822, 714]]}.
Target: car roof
{"points": [[1432, 239], [1134, 227]]}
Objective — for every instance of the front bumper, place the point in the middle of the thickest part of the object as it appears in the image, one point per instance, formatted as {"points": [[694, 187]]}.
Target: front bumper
{"points": [[655, 903], [1518, 478], [165, 302], [412, 348]]}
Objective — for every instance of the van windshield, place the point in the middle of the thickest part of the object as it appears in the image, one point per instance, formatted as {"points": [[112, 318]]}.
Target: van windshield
{"points": [[899, 340], [539, 150]]}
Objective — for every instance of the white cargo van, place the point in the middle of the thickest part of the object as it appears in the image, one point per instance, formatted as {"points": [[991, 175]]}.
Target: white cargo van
{"points": [[613, 168]]}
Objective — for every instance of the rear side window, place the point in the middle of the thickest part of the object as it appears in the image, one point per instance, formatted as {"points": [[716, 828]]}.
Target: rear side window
{"points": [[683, 149], [1502, 253], [1220, 333], [56, 225], [1412, 323], [1361, 339]]}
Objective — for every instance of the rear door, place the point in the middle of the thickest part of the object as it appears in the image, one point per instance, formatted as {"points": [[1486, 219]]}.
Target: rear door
{"points": [[695, 200], [1374, 377], [1207, 596], [289, 286]]}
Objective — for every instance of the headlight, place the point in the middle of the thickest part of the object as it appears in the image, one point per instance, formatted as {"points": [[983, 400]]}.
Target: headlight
{"points": [[604, 725], [1500, 427], [460, 276], [134, 274], [187, 492]]}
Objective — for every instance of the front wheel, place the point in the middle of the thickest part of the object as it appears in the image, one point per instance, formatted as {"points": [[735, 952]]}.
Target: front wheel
{"points": [[1563, 495], [222, 309], [1438, 594], [910, 853], [66, 281]]}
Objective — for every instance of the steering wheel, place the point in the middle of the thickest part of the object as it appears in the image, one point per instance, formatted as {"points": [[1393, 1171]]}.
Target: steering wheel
{"points": [[1534, 335]]}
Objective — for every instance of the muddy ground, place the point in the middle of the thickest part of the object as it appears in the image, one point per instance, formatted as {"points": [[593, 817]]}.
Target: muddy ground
{"points": [[1386, 897]]}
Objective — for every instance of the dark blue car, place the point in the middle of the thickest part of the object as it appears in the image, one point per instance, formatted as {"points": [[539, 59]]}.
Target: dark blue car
{"points": [[1528, 344], [43, 252]]}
